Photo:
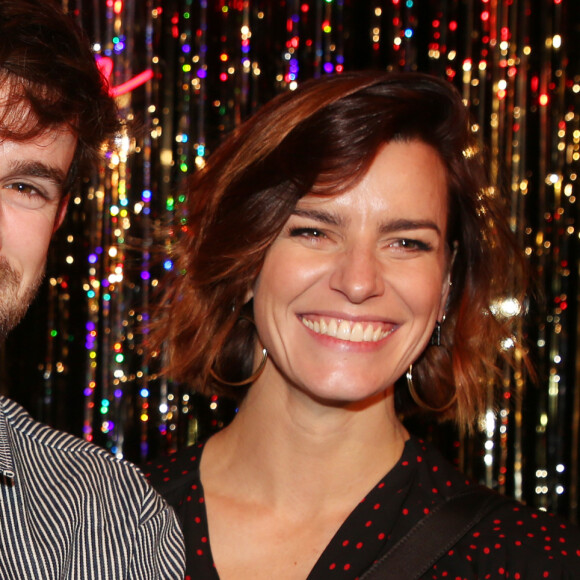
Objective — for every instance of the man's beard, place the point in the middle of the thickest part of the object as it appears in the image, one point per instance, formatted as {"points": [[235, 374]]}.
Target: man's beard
{"points": [[12, 306]]}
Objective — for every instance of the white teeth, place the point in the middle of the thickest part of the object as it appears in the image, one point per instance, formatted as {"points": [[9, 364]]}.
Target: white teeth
{"points": [[369, 333], [346, 330], [332, 328], [343, 330], [357, 334]]}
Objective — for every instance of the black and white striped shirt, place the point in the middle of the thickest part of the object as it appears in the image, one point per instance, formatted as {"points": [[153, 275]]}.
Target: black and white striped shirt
{"points": [[70, 509]]}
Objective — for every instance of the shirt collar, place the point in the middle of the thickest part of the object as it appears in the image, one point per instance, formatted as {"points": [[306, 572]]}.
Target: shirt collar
{"points": [[7, 472]]}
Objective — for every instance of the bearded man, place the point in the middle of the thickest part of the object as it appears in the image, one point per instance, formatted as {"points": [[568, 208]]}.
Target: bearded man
{"points": [[68, 509]]}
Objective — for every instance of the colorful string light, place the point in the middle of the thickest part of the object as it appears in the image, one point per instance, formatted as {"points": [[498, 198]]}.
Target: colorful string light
{"points": [[188, 72]]}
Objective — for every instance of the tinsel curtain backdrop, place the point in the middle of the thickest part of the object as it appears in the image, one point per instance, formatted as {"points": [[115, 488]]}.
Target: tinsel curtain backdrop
{"points": [[185, 73]]}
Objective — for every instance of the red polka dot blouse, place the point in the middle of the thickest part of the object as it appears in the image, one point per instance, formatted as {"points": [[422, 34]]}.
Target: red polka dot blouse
{"points": [[513, 542]]}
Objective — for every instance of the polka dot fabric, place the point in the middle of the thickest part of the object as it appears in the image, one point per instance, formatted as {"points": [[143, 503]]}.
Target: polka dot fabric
{"points": [[512, 542]]}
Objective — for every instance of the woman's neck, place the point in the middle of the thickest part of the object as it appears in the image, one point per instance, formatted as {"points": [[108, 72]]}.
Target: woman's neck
{"points": [[282, 445]]}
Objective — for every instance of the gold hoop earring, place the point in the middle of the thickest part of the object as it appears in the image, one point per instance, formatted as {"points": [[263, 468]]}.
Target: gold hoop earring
{"points": [[419, 402], [247, 381]]}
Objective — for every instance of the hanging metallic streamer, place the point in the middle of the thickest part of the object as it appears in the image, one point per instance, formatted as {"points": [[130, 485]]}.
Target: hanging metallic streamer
{"points": [[210, 65]]}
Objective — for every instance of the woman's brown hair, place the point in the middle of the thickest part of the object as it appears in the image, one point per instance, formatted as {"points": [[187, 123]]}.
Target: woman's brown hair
{"points": [[321, 139]]}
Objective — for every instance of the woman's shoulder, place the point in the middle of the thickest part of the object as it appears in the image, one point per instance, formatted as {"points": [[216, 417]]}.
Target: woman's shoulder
{"points": [[512, 541], [532, 529], [517, 541], [171, 474], [436, 477]]}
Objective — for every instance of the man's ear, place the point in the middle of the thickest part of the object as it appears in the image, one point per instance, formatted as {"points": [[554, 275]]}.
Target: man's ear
{"points": [[60, 212]]}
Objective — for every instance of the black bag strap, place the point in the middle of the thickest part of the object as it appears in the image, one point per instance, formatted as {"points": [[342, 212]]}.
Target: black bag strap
{"points": [[434, 535]]}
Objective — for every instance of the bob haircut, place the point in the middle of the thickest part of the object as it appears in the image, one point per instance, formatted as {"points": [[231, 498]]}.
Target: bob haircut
{"points": [[49, 79], [321, 139]]}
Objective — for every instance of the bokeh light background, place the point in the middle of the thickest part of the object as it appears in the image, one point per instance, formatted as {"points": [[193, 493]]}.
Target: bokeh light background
{"points": [[185, 73]]}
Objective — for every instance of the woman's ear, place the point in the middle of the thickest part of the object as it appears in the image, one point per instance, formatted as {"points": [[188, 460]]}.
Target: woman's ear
{"points": [[447, 282], [445, 289]]}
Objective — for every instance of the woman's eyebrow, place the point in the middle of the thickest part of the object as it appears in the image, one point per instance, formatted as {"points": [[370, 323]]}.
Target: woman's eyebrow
{"points": [[388, 226], [325, 217], [402, 224]]}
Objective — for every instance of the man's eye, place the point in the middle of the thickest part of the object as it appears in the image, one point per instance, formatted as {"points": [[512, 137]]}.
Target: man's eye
{"points": [[23, 188], [25, 195]]}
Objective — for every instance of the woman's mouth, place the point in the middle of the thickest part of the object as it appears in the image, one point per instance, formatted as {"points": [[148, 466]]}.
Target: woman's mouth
{"points": [[347, 329]]}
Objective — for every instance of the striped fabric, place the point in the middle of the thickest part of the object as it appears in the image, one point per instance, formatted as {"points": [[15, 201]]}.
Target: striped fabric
{"points": [[70, 509]]}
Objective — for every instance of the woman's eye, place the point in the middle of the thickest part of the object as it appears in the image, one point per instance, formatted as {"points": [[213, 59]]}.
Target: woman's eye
{"points": [[412, 245], [307, 233]]}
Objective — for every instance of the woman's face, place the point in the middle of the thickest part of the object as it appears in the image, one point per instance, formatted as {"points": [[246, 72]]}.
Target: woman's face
{"points": [[350, 291]]}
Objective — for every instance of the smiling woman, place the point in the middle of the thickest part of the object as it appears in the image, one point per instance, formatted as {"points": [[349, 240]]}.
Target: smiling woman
{"points": [[343, 237], [320, 141], [351, 289]]}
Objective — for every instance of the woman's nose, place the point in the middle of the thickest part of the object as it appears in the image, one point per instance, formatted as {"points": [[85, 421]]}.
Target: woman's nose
{"points": [[358, 275]]}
